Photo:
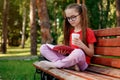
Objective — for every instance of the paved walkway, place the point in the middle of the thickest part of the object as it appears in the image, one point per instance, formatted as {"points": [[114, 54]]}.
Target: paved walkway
{"points": [[19, 58]]}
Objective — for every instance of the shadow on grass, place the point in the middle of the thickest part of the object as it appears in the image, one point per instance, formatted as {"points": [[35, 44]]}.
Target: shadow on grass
{"points": [[14, 52], [17, 51]]}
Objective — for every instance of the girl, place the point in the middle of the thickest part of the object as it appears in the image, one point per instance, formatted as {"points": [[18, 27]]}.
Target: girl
{"points": [[78, 36]]}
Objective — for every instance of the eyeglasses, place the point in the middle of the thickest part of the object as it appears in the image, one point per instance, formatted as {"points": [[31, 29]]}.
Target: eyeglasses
{"points": [[72, 18]]}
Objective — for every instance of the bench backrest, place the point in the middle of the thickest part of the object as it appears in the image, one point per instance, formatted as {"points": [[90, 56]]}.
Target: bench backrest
{"points": [[107, 47]]}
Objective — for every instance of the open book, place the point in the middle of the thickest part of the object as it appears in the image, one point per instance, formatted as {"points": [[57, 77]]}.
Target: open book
{"points": [[63, 48]]}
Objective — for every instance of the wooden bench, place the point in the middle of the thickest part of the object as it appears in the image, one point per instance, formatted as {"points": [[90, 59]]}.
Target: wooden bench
{"points": [[105, 64]]}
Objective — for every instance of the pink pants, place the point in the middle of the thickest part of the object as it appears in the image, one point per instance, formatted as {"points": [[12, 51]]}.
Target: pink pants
{"points": [[77, 56]]}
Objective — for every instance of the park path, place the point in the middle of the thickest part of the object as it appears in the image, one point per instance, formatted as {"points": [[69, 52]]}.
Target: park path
{"points": [[19, 58]]}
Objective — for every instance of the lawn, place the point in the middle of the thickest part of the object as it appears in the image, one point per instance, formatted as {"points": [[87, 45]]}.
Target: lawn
{"points": [[17, 64]]}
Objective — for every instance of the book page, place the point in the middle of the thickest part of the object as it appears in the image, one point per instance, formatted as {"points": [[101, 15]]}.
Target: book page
{"points": [[50, 46]]}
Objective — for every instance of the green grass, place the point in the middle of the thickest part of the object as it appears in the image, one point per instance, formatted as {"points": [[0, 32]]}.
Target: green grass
{"points": [[13, 66], [17, 70]]}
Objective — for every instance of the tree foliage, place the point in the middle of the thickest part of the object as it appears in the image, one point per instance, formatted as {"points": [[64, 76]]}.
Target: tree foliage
{"points": [[101, 13]]}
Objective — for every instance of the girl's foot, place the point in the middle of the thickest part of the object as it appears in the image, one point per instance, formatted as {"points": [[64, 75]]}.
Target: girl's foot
{"points": [[75, 67], [47, 64]]}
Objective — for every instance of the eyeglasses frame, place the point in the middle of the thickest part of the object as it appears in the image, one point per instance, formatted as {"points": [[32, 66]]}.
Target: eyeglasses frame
{"points": [[72, 18]]}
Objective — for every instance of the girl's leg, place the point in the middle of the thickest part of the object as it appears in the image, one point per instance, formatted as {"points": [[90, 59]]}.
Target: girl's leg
{"points": [[50, 54], [76, 57]]}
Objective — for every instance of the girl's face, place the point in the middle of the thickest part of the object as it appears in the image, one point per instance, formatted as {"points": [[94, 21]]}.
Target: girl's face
{"points": [[73, 17]]}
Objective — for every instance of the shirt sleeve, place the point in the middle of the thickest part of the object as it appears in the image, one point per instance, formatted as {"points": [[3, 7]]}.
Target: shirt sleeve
{"points": [[90, 36]]}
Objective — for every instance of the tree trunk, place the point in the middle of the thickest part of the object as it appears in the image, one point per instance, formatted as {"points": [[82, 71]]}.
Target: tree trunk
{"points": [[83, 1], [33, 30], [44, 21], [23, 27], [118, 12], [4, 27], [80, 1]]}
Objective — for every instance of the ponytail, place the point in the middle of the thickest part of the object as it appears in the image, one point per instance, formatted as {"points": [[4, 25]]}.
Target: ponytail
{"points": [[84, 22]]}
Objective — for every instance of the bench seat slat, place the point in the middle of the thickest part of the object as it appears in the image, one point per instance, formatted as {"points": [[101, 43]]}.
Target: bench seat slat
{"points": [[91, 75], [112, 51], [105, 70], [113, 62], [108, 32], [65, 74], [61, 75], [108, 42]]}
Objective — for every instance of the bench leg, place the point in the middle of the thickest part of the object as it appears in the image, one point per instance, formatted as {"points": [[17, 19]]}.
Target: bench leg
{"points": [[43, 75], [46, 76], [37, 72]]}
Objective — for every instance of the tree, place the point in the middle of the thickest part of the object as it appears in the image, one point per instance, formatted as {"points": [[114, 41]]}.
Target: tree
{"points": [[5, 24], [33, 30], [24, 24], [44, 21], [80, 1], [118, 12]]}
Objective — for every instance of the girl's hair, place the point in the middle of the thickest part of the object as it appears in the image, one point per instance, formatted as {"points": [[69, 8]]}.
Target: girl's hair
{"points": [[82, 10]]}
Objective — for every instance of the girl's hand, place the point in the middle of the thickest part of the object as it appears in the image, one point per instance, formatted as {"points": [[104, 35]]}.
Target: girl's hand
{"points": [[78, 42], [60, 50], [63, 52]]}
